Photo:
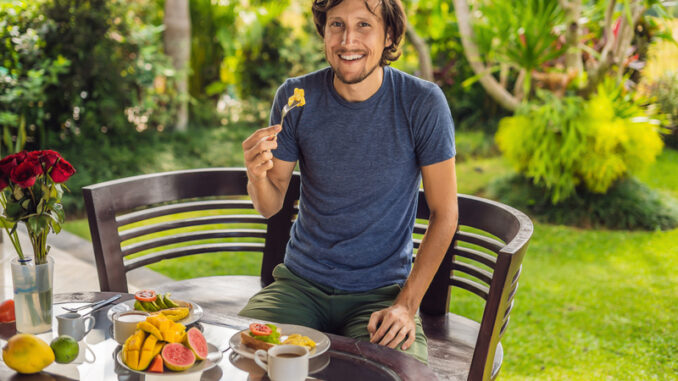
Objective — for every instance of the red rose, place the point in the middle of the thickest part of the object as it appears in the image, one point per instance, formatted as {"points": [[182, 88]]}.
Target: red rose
{"points": [[36, 158], [48, 158], [6, 166], [25, 173], [61, 171]]}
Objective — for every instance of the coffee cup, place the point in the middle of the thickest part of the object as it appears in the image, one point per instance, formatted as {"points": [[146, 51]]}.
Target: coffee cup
{"points": [[75, 325], [284, 362], [125, 323]]}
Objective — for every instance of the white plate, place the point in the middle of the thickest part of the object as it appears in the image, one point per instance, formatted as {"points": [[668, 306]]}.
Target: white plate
{"points": [[322, 342], [214, 356], [194, 314]]}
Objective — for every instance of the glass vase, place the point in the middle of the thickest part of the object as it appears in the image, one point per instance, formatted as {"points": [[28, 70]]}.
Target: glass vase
{"points": [[33, 295]]}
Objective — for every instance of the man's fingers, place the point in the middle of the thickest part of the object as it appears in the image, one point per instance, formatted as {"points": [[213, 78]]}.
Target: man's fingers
{"points": [[375, 318], [389, 337], [384, 327], [398, 339], [260, 134], [411, 337]]}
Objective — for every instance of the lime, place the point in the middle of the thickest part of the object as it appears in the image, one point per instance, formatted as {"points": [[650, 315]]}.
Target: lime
{"points": [[65, 349]]}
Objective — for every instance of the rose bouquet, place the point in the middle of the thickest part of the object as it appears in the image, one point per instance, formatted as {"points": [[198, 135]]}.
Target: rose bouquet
{"points": [[30, 191]]}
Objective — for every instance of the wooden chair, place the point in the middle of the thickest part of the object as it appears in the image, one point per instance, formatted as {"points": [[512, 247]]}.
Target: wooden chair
{"points": [[485, 261]]}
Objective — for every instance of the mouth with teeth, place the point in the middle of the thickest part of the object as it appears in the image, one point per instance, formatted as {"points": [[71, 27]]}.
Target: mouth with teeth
{"points": [[351, 57]]}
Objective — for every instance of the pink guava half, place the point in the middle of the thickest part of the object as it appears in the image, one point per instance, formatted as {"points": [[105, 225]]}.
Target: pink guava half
{"points": [[177, 357], [195, 340]]}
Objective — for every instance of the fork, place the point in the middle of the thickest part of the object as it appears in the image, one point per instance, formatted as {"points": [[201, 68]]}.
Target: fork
{"points": [[94, 305], [287, 109]]}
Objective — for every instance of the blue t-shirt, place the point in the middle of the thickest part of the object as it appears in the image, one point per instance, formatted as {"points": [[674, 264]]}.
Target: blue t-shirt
{"points": [[360, 174]]}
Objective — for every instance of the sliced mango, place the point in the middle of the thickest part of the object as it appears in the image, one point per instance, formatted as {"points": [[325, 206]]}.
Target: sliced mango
{"points": [[150, 328], [147, 352], [132, 349]]}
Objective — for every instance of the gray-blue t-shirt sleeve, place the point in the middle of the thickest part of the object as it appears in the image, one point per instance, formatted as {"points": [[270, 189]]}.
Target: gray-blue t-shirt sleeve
{"points": [[433, 128]]}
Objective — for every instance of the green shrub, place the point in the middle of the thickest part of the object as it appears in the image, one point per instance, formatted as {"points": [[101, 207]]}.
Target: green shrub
{"points": [[563, 143], [628, 204], [470, 144], [26, 72], [119, 81], [100, 159], [665, 93]]}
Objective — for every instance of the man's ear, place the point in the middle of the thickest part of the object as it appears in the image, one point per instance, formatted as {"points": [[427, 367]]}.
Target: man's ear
{"points": [[388, 41]]}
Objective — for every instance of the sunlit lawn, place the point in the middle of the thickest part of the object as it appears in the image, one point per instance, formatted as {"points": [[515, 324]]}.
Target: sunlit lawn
{"points": [[592, 304]]}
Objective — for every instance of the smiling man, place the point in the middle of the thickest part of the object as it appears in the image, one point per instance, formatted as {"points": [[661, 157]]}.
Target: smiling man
{"points": [[365, 140]]}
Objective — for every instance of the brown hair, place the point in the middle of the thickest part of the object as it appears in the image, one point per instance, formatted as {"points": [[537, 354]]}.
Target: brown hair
{"points": [[392, 12]]}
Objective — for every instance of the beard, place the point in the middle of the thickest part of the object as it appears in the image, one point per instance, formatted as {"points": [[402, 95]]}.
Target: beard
{"points": [[361, 77]]}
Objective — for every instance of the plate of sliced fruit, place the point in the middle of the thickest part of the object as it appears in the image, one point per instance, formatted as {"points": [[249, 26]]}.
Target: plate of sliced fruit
{"points": [[181, 311], [160, 345]]}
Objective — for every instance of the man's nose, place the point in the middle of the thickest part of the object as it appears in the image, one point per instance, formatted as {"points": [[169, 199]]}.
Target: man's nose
{"points": [[349, 35]]}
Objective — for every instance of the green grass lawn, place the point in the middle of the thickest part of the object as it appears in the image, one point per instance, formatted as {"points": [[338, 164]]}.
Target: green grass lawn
{"points": [[592, 304]]}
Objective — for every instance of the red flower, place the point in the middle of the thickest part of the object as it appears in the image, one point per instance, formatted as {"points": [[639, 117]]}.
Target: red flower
{"points": [[61, 171], [24, 174], [48, 158], [6, 166]]}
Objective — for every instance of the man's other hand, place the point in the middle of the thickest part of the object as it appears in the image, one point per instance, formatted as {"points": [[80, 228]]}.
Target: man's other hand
{"points": [[391, 326]]}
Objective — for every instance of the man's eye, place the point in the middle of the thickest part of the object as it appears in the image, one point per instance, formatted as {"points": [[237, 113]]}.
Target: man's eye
{"points": [[336, 24], [364, 25]]}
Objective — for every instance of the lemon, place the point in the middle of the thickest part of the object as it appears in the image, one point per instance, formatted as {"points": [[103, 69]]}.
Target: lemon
{"points": [[65, 349], [26, 353]]}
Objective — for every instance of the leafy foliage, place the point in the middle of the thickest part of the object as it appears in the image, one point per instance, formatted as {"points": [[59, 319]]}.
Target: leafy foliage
{"points": [[436, 22], [26, 72], [566, 142], [119, 81], [628, 204], [520, 31]]}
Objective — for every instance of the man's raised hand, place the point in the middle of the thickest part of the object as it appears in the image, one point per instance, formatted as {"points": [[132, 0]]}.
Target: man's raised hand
{"points": [[257, 152]]}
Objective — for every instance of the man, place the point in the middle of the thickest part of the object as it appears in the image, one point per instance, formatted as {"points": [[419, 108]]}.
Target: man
{"points": [[366, 137]]}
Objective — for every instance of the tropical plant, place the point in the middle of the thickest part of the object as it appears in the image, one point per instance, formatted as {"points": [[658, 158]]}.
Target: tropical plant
{"points": [[561, 143], [550, 43]]}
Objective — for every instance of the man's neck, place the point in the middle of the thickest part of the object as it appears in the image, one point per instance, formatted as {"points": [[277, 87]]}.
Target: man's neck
{"points": [[363, 90]]}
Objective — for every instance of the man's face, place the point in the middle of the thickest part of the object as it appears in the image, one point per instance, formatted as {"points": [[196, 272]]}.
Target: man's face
{"points": [[355, 40]]}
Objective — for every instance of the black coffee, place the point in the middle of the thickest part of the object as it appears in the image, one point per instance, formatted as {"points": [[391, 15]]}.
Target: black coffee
{"points": [[288, 355]]}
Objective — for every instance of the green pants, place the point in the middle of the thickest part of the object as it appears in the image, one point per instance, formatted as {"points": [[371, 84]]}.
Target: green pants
{"points": [[291, 299]]}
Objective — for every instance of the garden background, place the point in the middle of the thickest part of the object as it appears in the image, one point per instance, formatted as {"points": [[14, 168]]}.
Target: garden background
{"points": [[566, 110]]}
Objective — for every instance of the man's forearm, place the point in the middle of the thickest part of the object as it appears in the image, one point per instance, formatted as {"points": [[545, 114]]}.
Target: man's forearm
{"points": [[266, 197], [431, 252]]}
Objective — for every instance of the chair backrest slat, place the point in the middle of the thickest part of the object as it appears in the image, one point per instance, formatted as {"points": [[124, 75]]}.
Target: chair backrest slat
{"points": [[482, 241], [476, 255], [192, 250], [479, 273], [187, 222], [182, 207], [192, 236], [470, 285]]}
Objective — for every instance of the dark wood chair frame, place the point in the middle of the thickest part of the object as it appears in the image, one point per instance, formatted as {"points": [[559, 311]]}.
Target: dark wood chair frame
{"points": [[487, 264]]}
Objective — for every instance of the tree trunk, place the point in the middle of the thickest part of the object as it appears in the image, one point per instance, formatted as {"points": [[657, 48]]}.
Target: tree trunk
{"points": [[573, 61], [425, 64], [178, 48], [493, 88]]}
